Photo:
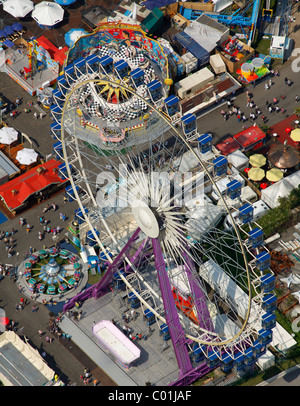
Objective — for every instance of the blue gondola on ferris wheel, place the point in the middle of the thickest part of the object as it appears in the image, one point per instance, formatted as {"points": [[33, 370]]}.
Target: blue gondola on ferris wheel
{"points": [[121, 68], [155, 90], [107, 64], [256, 237], [220, 165], [104, 256], [189, 124], [205, 143], [64, 2], [172, 105], [137, 77]]}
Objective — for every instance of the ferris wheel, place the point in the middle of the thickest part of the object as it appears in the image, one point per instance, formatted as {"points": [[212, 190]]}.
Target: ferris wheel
{"points": [[143, 186]]}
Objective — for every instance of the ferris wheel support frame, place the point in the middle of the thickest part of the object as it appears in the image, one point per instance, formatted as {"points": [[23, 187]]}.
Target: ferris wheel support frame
{"points": [[111, 235]]}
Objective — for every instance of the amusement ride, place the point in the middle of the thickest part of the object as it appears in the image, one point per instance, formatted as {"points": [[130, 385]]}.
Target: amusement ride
{"points": [[142, 176]]}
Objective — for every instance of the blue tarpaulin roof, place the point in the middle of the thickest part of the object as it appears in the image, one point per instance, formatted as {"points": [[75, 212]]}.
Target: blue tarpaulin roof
{"points": [[192, 46], [8, 43], [151, 4]]}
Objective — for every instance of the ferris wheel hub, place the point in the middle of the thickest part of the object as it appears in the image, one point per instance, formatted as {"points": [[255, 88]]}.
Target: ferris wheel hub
{"points": [[145, 219]]}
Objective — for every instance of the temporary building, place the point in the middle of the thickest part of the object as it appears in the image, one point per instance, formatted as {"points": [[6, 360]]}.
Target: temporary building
{"points": [[217, 63], [187, 44], [215, 276], [294, 179], [250, 137], [238, 159], [153, 21], [228, 146], [16, 192], [207, 32], [193, 83], [202, 216]]}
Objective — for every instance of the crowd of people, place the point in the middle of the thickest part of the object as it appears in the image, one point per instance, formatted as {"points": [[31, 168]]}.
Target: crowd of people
{"points": [[44, 222], [256, 111]]}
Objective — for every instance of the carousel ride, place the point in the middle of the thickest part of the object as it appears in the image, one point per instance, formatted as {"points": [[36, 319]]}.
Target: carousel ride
{"points": [[52, 272], [147, 202]]}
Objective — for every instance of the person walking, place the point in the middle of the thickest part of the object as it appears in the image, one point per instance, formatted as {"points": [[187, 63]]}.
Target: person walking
{"points": [[28, 228], [35, 115]]}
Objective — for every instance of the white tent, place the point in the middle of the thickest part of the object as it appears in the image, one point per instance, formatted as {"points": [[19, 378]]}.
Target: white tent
{"points": [[271, 194], [203, 215], [294, 179], [238, 159]]}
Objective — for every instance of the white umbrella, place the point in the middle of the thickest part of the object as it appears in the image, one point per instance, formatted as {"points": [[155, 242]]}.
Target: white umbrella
{"points": [[26, 156], [47, 13], [8, 135], [18, 8]]}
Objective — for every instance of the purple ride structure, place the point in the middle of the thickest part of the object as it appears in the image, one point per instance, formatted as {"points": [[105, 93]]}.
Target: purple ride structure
{"points": [[143, 195]]}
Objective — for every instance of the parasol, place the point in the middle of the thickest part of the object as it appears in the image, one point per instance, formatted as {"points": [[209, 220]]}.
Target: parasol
{"points": [[65, 2], [8, 135], [256, 174], [47, 13], [257, 160], [27, 156], [18, 8], [283, 155], [8, 30], [274, 175], [73, 35], [17, 26], [295, 135]]}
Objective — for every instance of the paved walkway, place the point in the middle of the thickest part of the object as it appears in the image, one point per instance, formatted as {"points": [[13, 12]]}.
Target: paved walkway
{"points": [[93, 351]]}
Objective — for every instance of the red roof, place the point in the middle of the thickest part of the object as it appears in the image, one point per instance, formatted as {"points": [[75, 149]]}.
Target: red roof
{"points": [[17, 191], [228, 146], [59, 55], [250, 136]]}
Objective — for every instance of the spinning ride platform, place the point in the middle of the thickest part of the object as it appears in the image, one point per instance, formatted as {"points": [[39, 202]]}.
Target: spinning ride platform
{"points": [[51, 275]]}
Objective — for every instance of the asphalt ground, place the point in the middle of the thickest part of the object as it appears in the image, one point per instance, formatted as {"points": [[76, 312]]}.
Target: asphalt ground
{"points": [[69, 365]]}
